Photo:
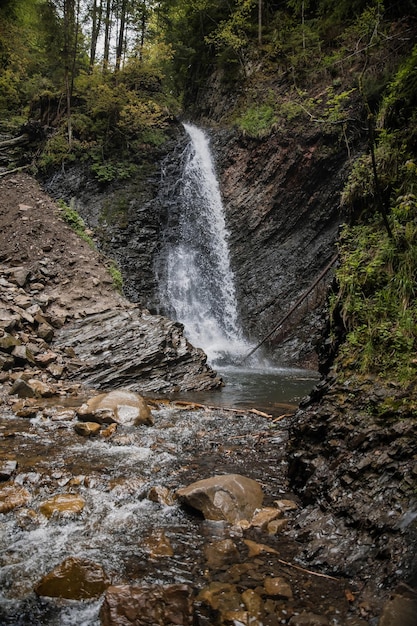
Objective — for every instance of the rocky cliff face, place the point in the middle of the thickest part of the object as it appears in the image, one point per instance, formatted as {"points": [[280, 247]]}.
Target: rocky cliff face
{"points": [[281, 199], [282, 202]]}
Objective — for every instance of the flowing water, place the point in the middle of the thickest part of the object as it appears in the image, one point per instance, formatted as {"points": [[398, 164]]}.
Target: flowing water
{"points": [[197, 286], [122, 527], [199, 282]]}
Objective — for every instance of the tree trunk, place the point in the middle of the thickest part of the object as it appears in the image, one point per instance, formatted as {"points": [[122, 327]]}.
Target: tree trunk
{"points": [[121, 36], [69, 37], [96, 16], [260, 22], [107, 33]]}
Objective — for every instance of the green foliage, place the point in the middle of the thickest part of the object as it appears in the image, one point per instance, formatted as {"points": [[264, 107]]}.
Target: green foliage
{"points": [[116, 275], [257, 121], [75, 221], [377, 297]]}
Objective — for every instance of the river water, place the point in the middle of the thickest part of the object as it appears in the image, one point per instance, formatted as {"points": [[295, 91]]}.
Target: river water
{"points": [[122, 527], [139, 539]]}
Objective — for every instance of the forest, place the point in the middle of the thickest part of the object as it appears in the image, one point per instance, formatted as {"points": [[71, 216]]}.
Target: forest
{"points": [[105, 80]]}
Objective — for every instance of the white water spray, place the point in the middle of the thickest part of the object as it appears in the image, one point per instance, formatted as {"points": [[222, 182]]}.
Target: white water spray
{"points": [[199, 279]]}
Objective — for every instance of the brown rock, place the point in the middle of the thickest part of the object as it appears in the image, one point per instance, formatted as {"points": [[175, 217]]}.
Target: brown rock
{"points": [[12, 496], [46, 358], [87, 429], [229, 497], [221, 554], [22, 389], [276, 526], [120, 406], [158, 545], [22, 353], [257, 548], [262, 518], [147, 606], [253, 603], [41, 389], [222, 597], [160, 494], [399, 611], [277, 587], [45, 332], [74, 579], [9, 342], [6, 362], [62, 504]]}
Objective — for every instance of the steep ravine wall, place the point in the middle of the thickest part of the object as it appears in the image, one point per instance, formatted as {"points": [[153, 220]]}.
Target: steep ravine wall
{"points": [[281, 197]]}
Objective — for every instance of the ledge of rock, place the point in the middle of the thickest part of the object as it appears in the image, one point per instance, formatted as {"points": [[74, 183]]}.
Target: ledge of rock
{"points": [[133, 349]]}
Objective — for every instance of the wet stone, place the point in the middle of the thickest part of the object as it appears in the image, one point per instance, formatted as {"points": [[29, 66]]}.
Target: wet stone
{"points": [[87, 429], [12, 496], [278, 587], [74, 579], [399, 611], [158, 545], [7, 469], [147, 606], [229, 497], [221, 553], [262, 518], [63, 504], [160, 494], [222, 597], [120, 406]]}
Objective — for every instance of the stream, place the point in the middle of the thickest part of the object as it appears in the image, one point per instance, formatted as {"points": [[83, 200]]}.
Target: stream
{"points": [[136, 536], [130, 523]]}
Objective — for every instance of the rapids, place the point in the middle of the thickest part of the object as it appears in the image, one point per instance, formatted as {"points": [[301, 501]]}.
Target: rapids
{"points": [[121, 525]]}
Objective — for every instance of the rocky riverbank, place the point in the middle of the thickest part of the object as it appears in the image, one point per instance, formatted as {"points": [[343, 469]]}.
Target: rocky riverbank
{"points": [[352, 451], [62, 317]]}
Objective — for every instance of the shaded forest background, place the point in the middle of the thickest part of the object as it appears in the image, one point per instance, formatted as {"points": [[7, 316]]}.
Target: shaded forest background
{"points": [[104, 81]]}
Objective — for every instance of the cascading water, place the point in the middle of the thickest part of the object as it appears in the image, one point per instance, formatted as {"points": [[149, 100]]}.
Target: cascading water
{"points": [[198, 281]]}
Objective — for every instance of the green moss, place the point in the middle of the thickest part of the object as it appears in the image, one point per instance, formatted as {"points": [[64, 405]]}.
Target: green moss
{"points": [[116, 275], [71, 217], [257, 121]]}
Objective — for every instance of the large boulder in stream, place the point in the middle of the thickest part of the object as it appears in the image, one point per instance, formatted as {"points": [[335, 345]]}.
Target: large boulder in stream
{"points": [[74, 579], [128, 347], [230, 497], [147, 606], [119, 406]]}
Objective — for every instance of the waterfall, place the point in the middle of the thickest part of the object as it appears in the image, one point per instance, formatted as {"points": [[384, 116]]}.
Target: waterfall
{"points": [[197, 283]]}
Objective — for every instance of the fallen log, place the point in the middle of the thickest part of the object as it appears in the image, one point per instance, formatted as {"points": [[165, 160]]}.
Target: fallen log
{"points": [[16, 141]]}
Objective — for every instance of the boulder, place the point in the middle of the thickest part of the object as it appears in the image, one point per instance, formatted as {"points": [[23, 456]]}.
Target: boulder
{"points": [[399, 611], [62, 504], [229, 497], [147, 606], [120, 406], [87, 429], [133, 349], [12, 496], [22, 389], [74, 579]]}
